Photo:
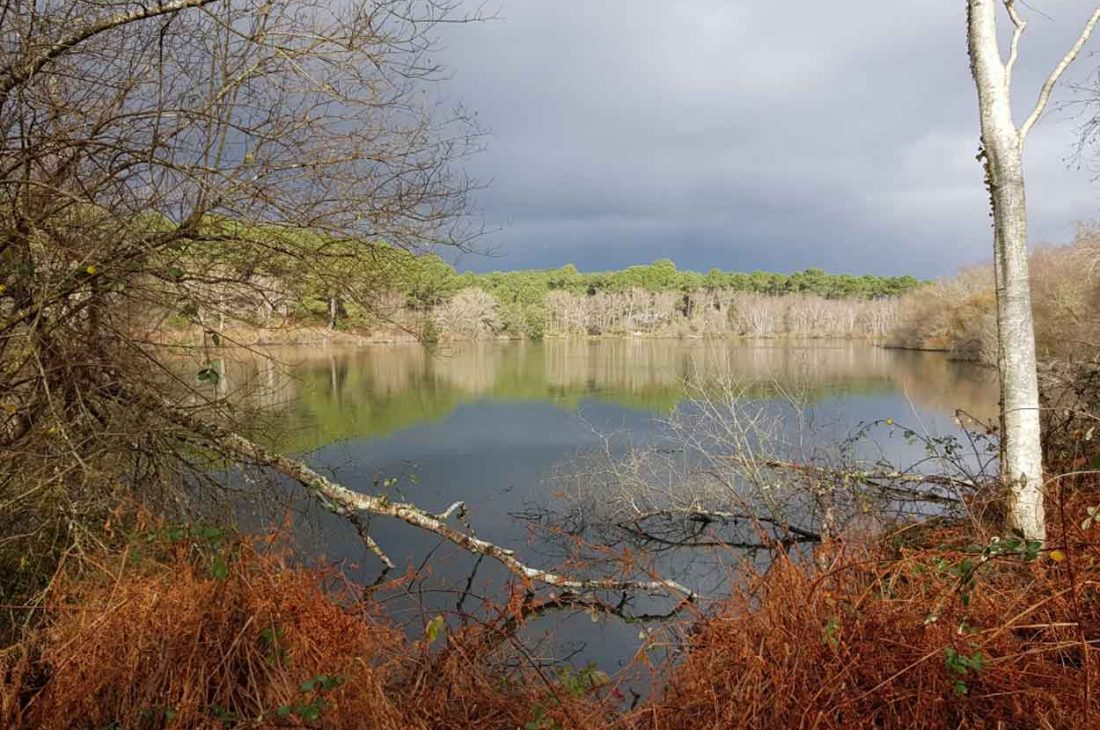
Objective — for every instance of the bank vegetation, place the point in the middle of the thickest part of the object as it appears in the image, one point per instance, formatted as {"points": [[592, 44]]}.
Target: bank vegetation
{"points": [[958, 314], [391, 294]]}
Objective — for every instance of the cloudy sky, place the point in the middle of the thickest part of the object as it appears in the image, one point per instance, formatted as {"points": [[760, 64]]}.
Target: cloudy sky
{"points": [[753, 134]]}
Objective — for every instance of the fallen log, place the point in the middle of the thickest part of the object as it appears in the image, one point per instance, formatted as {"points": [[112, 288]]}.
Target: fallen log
{"points": [[875, 478], [348, 503]]}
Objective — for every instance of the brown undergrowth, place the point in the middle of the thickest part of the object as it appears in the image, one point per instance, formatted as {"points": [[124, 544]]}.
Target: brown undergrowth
{"points": [[927, 628], [939, 634], [191, 629]]}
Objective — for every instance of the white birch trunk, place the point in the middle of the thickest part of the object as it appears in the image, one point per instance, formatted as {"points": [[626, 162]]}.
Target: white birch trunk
{"points": [[1002, 142]]}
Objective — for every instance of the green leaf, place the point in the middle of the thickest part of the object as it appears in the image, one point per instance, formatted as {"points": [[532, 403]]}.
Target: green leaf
{"points": [[434, 628], [208, 375], [211, 534], [218, 569]]}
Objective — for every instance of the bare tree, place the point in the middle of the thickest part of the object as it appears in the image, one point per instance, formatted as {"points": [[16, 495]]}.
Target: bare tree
{"points": [[470, 314], [1002, 153], [172, 158]]}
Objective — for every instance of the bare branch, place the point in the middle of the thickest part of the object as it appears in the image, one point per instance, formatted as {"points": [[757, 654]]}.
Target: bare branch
{"points": [[1052, 80], [1014, 52], [862, 476], [343, 501], [17, 74]]}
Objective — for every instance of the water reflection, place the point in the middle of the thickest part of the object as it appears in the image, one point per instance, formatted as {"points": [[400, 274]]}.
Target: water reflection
{"points": [[492, 423], [323, 395]]}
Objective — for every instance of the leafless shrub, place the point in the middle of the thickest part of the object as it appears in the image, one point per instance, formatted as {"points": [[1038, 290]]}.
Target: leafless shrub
{"points": [[470, 314], [744, 464], [958, 314], [171, 160]]}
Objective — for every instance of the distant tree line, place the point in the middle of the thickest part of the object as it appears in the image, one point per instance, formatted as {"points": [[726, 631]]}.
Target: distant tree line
{"points": [[663, 276], [426, 296]]}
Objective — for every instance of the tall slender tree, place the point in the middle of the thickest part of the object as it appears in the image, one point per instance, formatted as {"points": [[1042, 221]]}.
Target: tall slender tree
{"points": [[1002, 155]]}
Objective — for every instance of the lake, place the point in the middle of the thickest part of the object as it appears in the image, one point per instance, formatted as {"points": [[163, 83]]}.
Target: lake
{"points": [[497, 425]]}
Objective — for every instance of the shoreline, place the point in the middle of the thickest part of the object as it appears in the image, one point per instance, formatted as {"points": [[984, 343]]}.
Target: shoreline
{"points": [[300, 336]]}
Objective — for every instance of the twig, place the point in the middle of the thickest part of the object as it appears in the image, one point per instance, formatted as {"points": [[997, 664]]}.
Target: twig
{"points": [[864, 476]]}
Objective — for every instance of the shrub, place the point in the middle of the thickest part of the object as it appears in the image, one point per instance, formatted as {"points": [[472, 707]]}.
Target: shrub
{"points": [[958, 315], [189, 629], [969, 637]]}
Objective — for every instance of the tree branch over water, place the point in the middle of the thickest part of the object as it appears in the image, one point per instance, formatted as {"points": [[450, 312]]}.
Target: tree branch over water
{"points": [[348, 503]]}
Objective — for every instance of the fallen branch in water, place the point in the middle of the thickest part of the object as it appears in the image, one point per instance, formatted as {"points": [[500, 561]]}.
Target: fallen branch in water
{"points": [[694, 514], [869, 477], [348, 503]]}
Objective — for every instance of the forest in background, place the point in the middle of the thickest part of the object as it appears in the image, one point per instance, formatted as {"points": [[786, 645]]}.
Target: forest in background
{"points": [[396, 294], [136, 133]]}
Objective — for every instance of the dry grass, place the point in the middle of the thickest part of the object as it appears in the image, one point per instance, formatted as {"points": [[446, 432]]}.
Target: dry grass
{"points": [[868, 642], [197, 635], [919, 630], [200, 635]]}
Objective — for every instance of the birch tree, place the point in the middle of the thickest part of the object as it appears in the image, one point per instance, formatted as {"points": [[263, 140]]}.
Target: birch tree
{"points": [[1002, 155]]}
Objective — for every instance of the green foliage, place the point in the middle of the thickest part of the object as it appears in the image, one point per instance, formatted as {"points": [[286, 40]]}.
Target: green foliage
{"points": [[579, 682], [830, 635], [208, 374], [271, 638], [963, 665], [313, 701], [349, 276], [211, 544], [662, 275], [435, 628]]}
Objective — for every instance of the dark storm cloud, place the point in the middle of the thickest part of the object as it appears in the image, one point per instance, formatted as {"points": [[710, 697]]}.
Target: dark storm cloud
{"points": [[746, 134]]}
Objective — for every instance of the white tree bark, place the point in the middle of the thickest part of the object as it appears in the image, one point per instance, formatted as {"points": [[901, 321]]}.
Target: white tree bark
{"points": [[1002, 147]]}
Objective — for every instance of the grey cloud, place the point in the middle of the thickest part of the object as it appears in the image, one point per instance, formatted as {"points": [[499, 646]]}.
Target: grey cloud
{"points": [[746, 134]]}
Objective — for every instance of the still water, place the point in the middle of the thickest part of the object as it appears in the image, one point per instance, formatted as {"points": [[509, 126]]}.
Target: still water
{"points": [[493, 424]]}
